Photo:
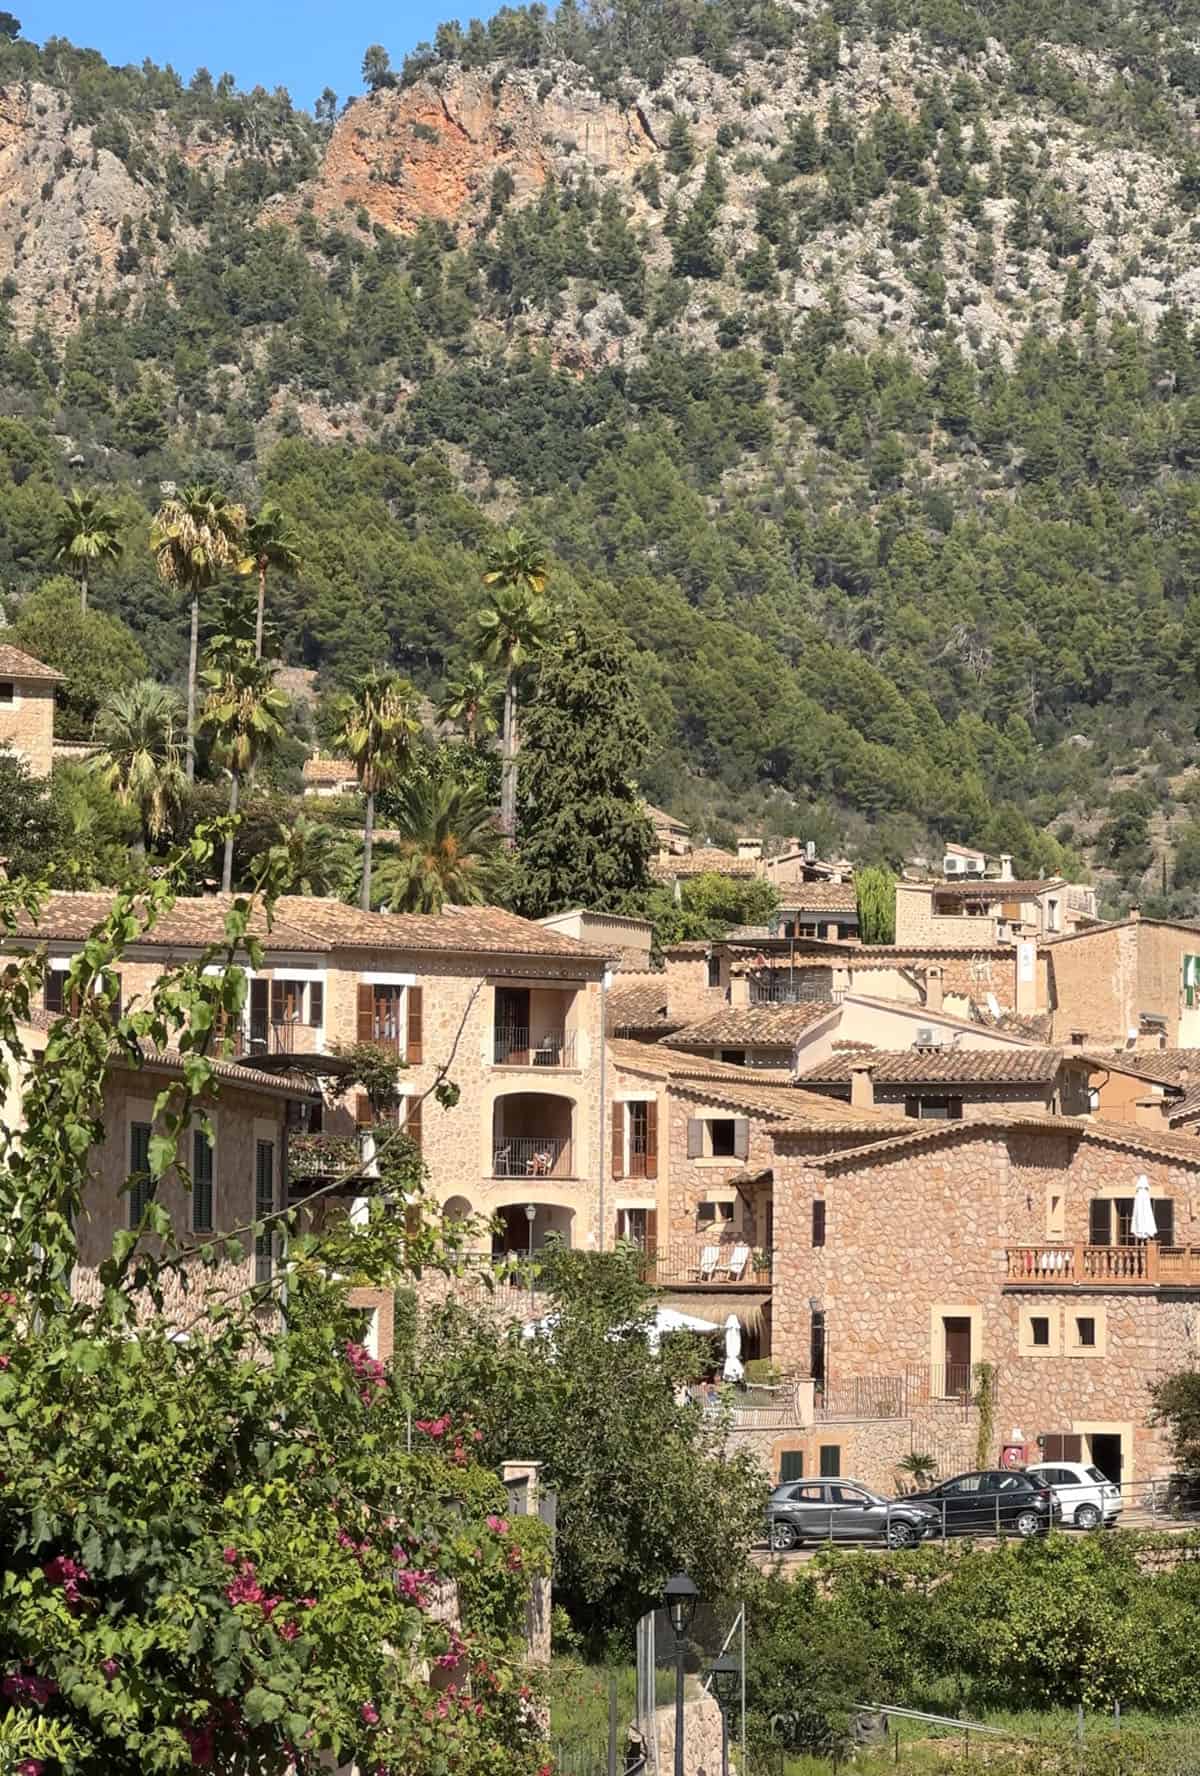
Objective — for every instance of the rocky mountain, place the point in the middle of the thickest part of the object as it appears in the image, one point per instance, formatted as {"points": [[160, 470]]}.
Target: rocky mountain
{"points": [[846, 355]]}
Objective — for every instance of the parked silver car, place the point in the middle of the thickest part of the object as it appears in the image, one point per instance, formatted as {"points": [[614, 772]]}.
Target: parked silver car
{"points": [[801, 1511]]}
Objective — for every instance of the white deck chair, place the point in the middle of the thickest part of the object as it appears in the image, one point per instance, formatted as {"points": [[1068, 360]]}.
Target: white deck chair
{"points": [[738, 1260], [710, 1258]]}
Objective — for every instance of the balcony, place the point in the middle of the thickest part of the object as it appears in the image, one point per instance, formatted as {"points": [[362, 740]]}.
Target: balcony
{"points": [[315, 1158], [816, 991], [1151, 1265], [709, 1264], [515, 1047], [532, 1156]]}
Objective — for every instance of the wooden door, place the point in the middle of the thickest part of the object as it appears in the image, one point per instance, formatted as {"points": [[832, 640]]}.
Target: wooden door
{"points": [[260, 1015], [958, 1355], [512, 1026]]}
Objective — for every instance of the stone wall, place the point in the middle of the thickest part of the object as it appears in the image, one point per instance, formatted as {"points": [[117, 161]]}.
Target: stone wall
{"points": [[1093, 986], [918, 924], [27, 723]]}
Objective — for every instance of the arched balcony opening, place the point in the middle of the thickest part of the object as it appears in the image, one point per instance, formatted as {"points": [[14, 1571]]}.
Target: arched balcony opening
{"points": [[533, 1136]]}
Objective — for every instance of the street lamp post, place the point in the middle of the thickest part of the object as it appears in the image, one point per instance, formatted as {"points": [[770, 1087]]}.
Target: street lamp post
{"points": [[531, 1217], [680, 1597], [725, 1676]]}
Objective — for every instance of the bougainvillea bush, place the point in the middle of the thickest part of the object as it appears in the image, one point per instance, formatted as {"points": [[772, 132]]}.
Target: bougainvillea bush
{"points": [[230, 1548]]}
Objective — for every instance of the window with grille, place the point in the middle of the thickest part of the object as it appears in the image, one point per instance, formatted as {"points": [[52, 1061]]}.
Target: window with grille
{"points": [[818, 1222], [141, 1187], [202, 1182], [264, 1204]]}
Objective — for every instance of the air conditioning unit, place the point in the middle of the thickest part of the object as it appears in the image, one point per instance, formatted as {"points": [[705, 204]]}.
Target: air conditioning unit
{"points": [[952, 865], [927, 1037]]}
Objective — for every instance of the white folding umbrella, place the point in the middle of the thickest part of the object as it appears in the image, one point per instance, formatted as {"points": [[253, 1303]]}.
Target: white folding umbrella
{"points": [[666, 1319], [1143, 1226], [733, 1370]]}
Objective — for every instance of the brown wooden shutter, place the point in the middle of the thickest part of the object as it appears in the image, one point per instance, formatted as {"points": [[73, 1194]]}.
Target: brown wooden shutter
{"points": [[316, 1004], [818, 1221], [1100, 1222], [652, 1138], [695, 1137], [366, 1014], [414, 1049], [1164, 1220], [1072, 1448], [1052, 1444], [278, 1008], [741, 1136], [652, 1230], [412, 1120], [363, 1114], [618, 1140]]}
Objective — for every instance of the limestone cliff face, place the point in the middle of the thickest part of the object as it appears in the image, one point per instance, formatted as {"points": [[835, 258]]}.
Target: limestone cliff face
{"points": [[431, 151]]}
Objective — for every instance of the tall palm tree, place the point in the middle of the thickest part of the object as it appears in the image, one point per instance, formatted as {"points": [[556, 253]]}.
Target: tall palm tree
{"points": [[86, 532], [513, 627], [197, 537], [449, 849], [378, 727], [315, 859], [243, 712], [269, 544], [469, 700], [138, 730]]}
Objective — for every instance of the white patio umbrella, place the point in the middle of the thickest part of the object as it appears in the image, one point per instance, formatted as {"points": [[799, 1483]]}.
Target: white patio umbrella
{"points": [[1143, 1226], [733, 1370], [666, 1319]]}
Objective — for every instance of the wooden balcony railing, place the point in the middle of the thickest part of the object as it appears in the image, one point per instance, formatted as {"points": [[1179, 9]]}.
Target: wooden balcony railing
{"points": [[531, 1156], [533, 1048], [1106, 1267], [711, 1263]]}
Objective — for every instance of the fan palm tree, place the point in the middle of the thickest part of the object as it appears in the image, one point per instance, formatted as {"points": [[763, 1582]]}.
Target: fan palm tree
{"points": [[243, 712], [138, 730], [449, 849], [315, 859], [918, 1467], [513, 628], [269, 544], [469, 700], [197, 537], [378, 727], [86, 532]]}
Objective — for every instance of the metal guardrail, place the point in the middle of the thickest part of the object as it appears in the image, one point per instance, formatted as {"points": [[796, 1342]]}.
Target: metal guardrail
{"points": [[512, 1047], [531, 1156]]}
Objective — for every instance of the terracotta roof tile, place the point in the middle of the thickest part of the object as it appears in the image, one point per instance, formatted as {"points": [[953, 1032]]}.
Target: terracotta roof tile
{"points": [[328, 770], [752, 1026], [747, 1088], [1166, 1066], [944, 1066], [820, 897], [706, 859], [990, 889], [15, 664], [638, 1002], [1165, 1143]]}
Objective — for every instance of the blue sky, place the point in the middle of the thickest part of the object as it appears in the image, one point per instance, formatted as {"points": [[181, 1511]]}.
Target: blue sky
{"points": [[303, 46]]}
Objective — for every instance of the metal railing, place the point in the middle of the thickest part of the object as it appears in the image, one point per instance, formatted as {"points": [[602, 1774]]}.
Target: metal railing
{"points": [[794, 993], [531, 1156], [1146, 1264], [897, 1396], [513, 1047], [714, 1263]]}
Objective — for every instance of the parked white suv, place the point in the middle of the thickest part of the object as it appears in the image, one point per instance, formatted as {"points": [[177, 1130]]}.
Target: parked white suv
{"points": [[1088, 1497]]}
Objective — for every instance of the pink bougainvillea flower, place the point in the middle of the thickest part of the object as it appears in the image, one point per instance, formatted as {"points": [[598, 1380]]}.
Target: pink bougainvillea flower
{"points": [[287, 1630], [5, 1359], [200, 1743], [68, 1575], [30, 1767], [230, 1556], [498, 1525], [21, 1686], [369, 1714], [110, 1667]]}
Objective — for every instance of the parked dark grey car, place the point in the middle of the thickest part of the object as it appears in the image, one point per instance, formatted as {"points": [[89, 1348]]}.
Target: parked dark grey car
{"points": [[844, 1511], [993, 1500]]}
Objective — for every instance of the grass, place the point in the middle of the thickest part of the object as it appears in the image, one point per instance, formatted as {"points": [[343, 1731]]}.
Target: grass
{"points": [[579, 1701], [1037, 1741]]}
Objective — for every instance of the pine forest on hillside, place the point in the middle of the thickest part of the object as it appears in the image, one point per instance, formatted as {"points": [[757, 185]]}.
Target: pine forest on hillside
{"points": [[845, 359]]}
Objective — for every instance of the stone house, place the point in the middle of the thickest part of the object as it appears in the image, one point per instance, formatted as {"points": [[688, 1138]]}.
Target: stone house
{"points": [[1132, 984], [1018, 1253], [627, 941], [27, 708], [987, 912], [947, 1083], [672, 837], [818, 909], [511, 1009], [757, 1036], [329, 777]]}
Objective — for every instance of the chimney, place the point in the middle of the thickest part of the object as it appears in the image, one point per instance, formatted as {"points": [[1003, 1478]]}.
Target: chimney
{"points": [[1006, 873], [933, 989], [749, 849], [1135, 913], [1150, 1112], [862, 1089]]}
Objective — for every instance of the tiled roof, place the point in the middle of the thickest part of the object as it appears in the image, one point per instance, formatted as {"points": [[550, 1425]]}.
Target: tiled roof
{"points": [[707, 859], [745, 1088], [1033, 1026], [752, 1026], [921, 1014], [1185, 1109], [307, 922], [820, 897], [944, 1066], [660, 817], [15, 664], [638, 1002], [991, 889], [1164, 1144], [328, 770], [1166, 1066], [275, 1085]]}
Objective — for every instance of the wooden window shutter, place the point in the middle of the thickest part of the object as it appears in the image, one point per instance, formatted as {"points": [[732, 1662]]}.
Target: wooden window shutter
{"points": [[652, 1230], [1100, 1222], [412, 1120], [818, 1221], [278, 1008], [1052, 1447], [413, 1050], [316, 1004], [1164, 1220], [618, 1140], [366, 1014], [741, 1136], [1072, 1448], [695, 1137], [652, 1138], [363, 1114]]}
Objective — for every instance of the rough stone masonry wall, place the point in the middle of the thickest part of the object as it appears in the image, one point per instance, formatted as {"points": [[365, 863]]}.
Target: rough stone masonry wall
{"points": [[27, 724], [917, 924], [1093, 986]]}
